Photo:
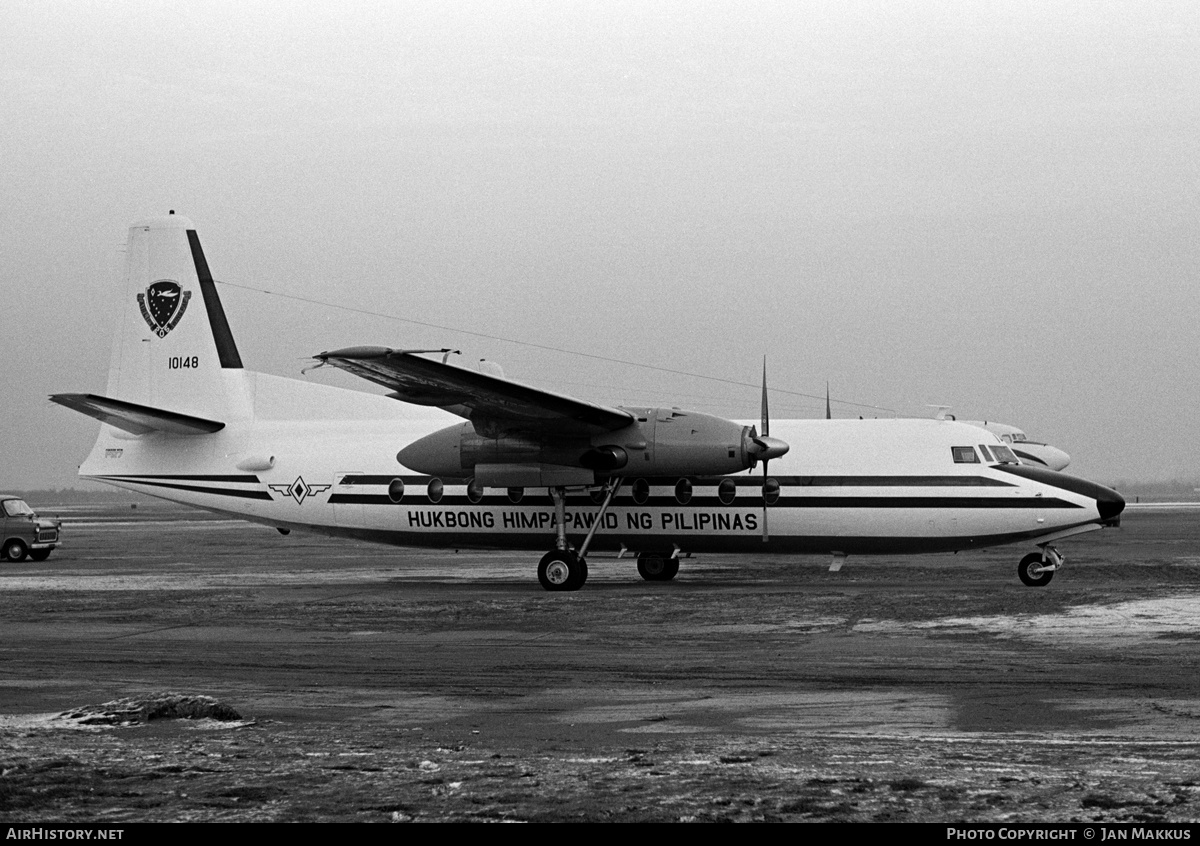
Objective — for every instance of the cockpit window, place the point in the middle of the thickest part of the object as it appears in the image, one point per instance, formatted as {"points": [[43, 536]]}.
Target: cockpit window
{"points": [[964, 455], [1019, 437], [983, 450], [1004, 455]]}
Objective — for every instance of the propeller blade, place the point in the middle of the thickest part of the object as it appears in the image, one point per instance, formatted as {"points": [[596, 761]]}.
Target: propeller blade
{"points": [[766, 418], [766, 532], [766, 450]]}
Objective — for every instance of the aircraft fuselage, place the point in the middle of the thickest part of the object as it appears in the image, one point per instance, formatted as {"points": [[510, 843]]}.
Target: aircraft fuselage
{"points": [[847, 486]]}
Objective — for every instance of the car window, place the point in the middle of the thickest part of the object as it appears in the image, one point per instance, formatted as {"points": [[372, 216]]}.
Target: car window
{"points": [[17, 508]]}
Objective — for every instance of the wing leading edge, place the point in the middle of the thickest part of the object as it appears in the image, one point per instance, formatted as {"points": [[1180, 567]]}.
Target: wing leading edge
{"points": [[483, 399]]}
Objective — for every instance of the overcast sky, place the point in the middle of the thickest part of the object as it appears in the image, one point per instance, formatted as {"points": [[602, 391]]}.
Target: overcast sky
{"points": [[988, 205]]}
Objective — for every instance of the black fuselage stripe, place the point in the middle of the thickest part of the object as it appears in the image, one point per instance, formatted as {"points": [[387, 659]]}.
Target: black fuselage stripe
{"points": [[623, 500], [1028, 457], [196, 478], [195, 488], [1062, 481], [748, 481]]}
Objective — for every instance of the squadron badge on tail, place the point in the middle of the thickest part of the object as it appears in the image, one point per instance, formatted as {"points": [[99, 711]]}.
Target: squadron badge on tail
{"points": [[163, 304]]}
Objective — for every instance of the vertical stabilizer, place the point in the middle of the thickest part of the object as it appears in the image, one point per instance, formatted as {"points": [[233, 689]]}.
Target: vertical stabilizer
{"points": [[173, 349]]}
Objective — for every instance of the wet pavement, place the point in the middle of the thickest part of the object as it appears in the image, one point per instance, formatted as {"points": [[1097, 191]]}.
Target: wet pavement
{"points": [[382, 684]]}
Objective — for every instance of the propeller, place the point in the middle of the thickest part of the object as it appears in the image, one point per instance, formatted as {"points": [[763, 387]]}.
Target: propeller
{"points": [[765, 447], [766, 430]]}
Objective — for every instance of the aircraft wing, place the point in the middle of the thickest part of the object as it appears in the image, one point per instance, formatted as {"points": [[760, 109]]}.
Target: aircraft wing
{"points": [[490, 401]]}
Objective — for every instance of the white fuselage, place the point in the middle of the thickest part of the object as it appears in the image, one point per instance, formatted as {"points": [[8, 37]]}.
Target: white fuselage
{"points": [[307, 456]]}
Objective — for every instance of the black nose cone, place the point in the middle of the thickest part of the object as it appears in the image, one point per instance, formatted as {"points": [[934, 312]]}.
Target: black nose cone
{"points": [[1110, 504]]}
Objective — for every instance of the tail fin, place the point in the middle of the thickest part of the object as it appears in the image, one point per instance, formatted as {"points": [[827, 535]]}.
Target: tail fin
{"points": [[173, 348]]}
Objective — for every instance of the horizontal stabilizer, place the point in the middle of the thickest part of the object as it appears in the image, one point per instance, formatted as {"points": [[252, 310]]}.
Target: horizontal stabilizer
{"points": [[137, 419]]}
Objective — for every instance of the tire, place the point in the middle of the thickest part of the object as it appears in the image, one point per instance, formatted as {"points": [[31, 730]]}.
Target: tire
{"points": [[581, 573], [1026, 571], [14, 550], [656, 568], [39, 554], [561, 570]]}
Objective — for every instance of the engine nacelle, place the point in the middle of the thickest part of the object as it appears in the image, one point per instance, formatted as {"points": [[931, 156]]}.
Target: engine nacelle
{"points": [[660, 442], [686, 443]]}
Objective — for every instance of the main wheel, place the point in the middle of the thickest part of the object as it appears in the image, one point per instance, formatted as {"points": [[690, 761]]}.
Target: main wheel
{"points": [[39, 554], [581, 573], [14, 550], [562, 570], [1028, 571], [655, 568]]}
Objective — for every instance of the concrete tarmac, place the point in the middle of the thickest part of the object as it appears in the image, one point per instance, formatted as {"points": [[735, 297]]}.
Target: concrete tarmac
{"points": [[386, 684]]}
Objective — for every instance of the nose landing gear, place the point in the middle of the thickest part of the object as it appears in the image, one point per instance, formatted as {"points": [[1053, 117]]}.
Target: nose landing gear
{"points": [[1037, 568]]}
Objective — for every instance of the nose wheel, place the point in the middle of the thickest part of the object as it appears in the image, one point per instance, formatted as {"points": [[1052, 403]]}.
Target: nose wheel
{"points": [[562, 569], [1037, 569]]}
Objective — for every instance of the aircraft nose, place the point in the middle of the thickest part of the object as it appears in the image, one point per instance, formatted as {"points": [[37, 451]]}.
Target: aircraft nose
{"points": [[1110, 504], [1056, 459]]}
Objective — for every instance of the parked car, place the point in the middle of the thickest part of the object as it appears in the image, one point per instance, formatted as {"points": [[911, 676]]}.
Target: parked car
{"points": [[23, 532]]}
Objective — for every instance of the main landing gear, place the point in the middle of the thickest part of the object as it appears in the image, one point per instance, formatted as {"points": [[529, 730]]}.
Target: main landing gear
{"points": [[562, 568], [657, 568], [1037, 568]]}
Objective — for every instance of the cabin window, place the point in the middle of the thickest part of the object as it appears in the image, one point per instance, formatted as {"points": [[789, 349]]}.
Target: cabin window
{"points": [[641, 491], [396, 490], [1005, 455], [515, 495], [727, 490], [435, 490], [964, 455], [683, 491], [474, 491], [770, 491]]}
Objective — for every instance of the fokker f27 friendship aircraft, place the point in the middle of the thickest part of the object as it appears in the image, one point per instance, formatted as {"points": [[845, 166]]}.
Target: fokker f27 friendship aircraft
{"points": [[453, 457], [1025, 448]]}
